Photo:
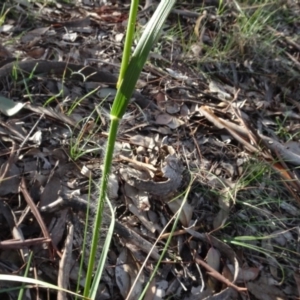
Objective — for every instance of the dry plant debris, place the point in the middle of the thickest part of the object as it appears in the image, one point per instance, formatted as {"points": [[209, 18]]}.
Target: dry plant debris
{"points": [[217, 106]]}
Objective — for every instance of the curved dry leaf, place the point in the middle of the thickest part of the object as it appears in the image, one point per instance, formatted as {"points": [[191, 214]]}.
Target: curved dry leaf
{"points": [[186, 212], [70, 36], [126, 272], [245, 274]]}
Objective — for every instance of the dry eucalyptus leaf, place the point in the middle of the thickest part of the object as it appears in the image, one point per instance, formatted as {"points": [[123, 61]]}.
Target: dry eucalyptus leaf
{"points": [[142, 216], [223, 213], [75, 24], [279, 238], [177, 75], [170, 121], [119, 37], [196, 49], [214, 87], [263, 290], [51, 190], [122, 277], [107, 93], [245, 274], [126, 272], [184, 110], [143, 141], [9, 184], [171, 177], [175, 123], [70, 36], [224, 249], [172, 108], [163, 119], [6, 28], [186, 212], [9, 107], [213, 260], [157, 290], [113, 186], [289, 208], [35, 33], [297, 279], [150, 294], [288, 153], [139, 198], [36, 52]]}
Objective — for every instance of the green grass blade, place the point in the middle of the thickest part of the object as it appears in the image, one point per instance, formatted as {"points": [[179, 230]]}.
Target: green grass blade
{"points": [[22, 290], [33, 282], [98, 273], [129, 39], [139, 58], [121, 101], [102, 196]]}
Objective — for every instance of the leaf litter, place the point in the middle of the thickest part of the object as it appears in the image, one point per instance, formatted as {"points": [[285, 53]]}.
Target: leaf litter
{"points": [[225, 111]]}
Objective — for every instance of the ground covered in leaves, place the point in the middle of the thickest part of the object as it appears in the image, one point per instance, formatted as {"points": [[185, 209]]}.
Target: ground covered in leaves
{"points": [[214, 121]]}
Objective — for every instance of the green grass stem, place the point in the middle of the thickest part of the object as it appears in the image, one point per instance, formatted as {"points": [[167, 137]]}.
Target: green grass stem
{"points": [[129, 39], [124, 92]]}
